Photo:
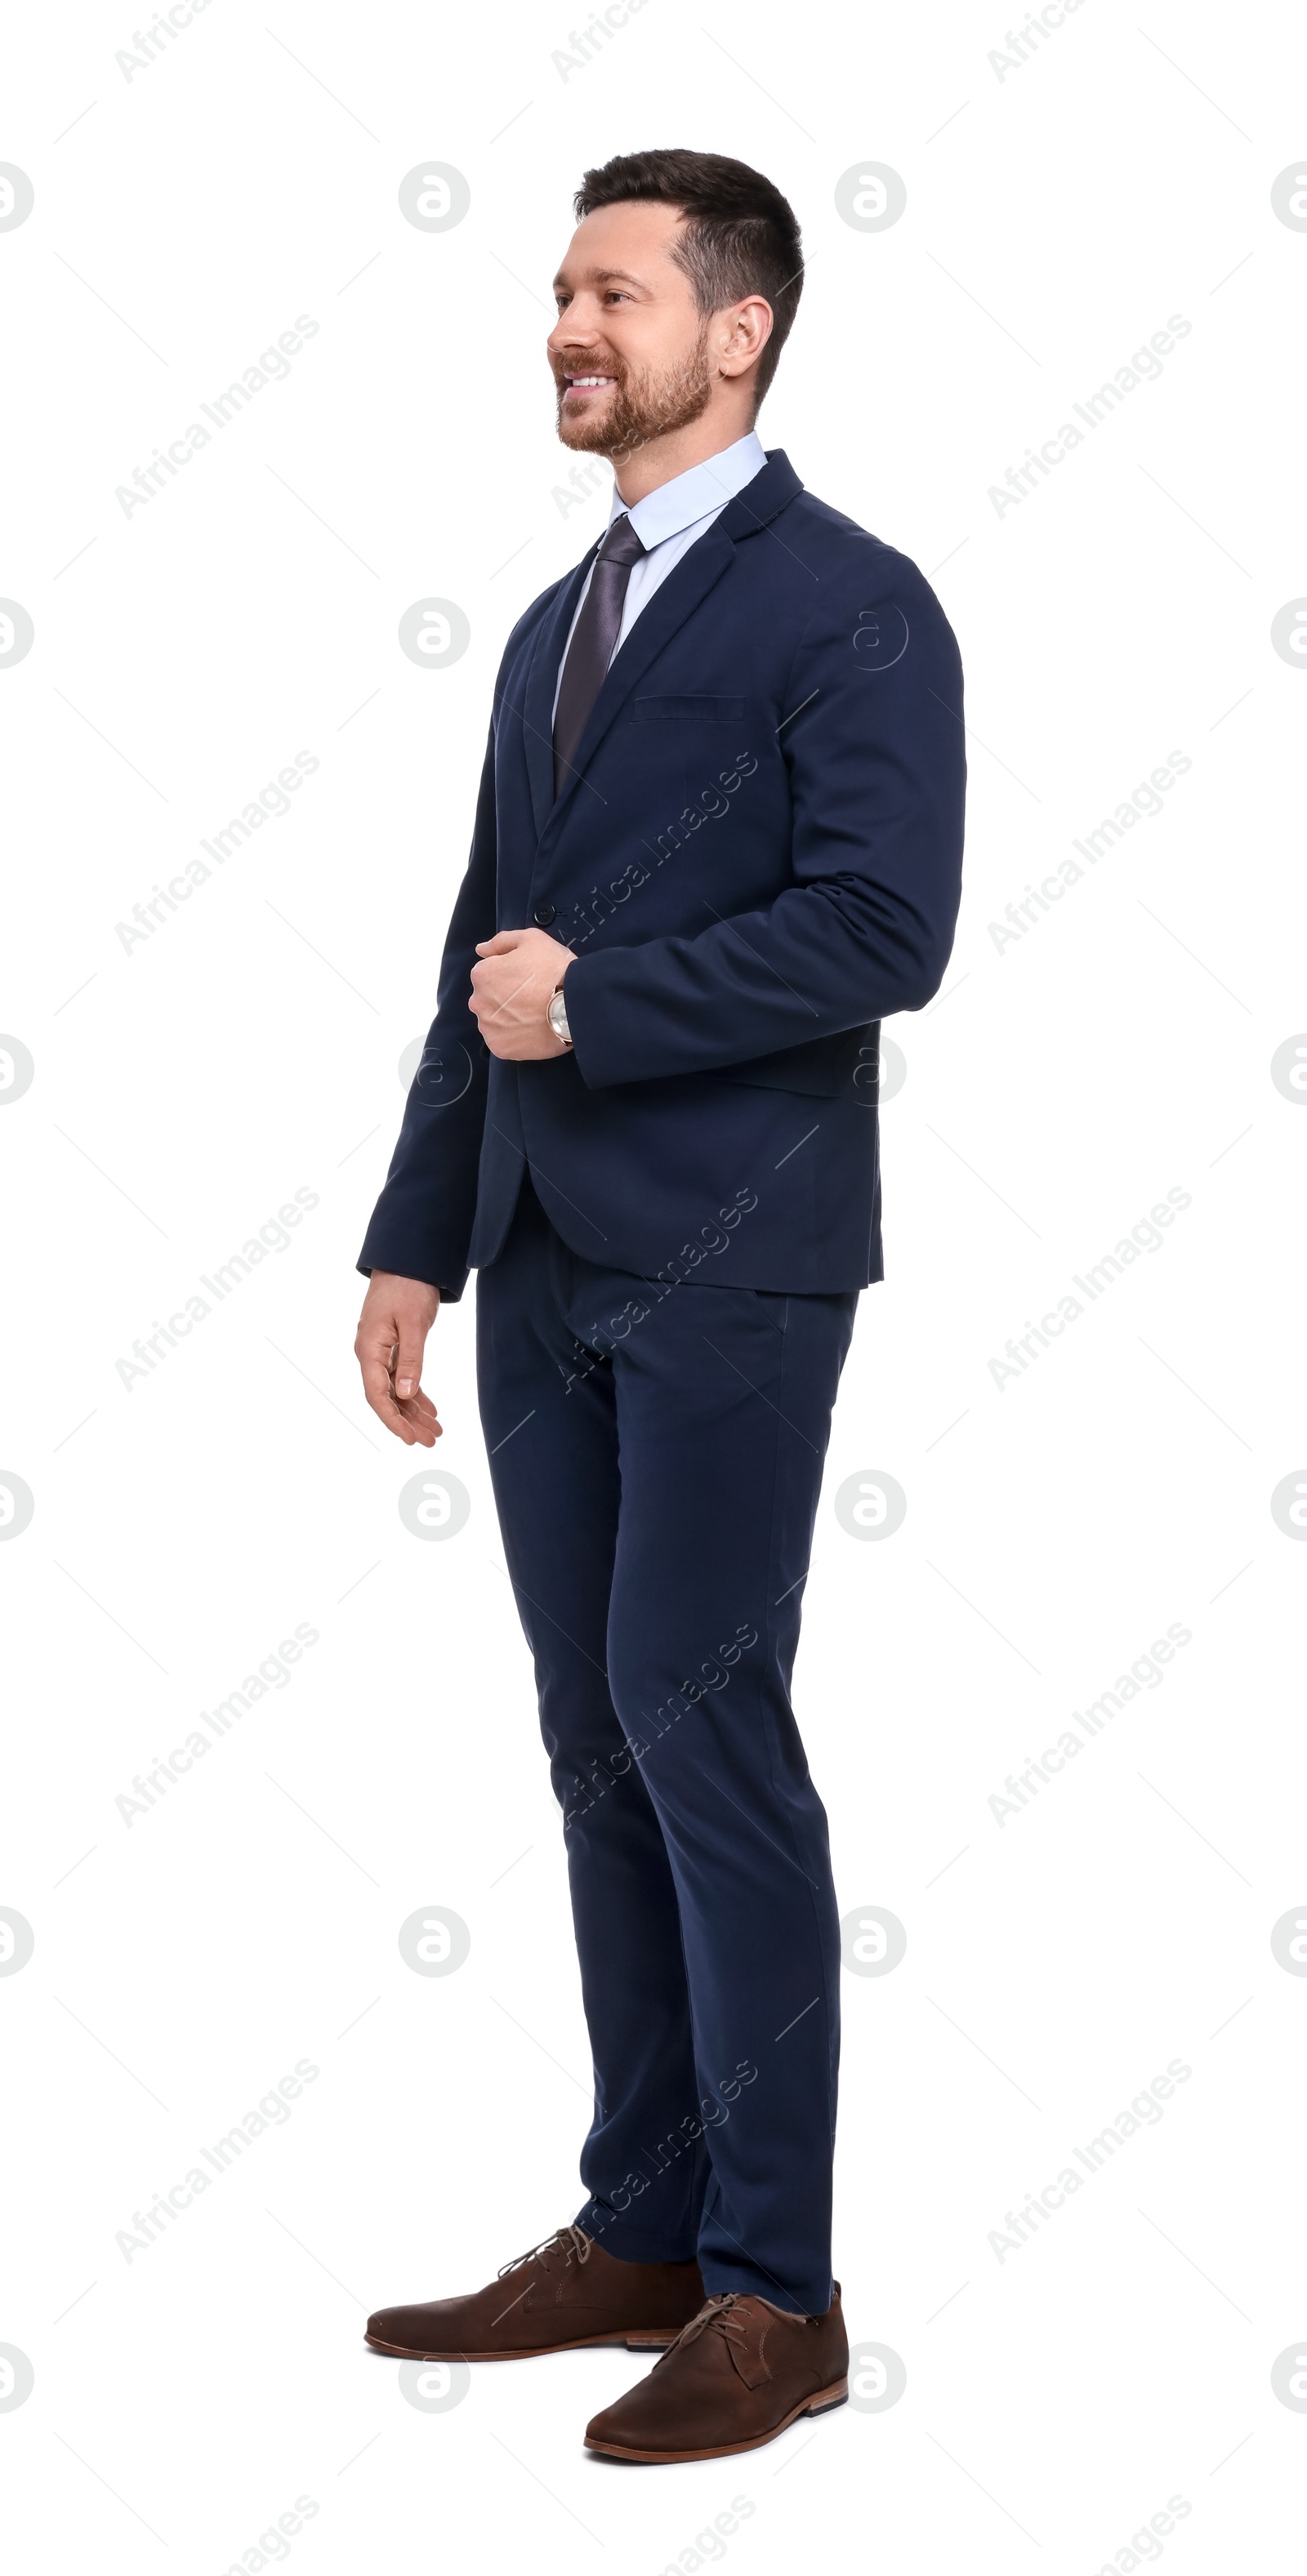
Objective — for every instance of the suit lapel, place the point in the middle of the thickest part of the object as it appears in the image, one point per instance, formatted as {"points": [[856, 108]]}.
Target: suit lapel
{"points": [[536, 698], [674, 600]]}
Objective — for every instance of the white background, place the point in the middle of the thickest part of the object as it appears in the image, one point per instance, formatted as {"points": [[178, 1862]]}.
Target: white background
{"points": [[1056, 1961]]}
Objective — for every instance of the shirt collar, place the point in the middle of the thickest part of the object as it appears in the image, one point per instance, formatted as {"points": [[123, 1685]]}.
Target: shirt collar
{"points": [[702, 488]]}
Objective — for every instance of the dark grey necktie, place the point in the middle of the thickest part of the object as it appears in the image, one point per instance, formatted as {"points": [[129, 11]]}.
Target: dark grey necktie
{"points": [[593, 639]]}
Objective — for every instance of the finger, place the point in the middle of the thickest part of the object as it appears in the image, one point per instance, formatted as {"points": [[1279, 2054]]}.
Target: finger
{"points": [[378, 1391], [499, 946], [419, 1413], [406, 1368], [415, 1408], [419, 1407]]}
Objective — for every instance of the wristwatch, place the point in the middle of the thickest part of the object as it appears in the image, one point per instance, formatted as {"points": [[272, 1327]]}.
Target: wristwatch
{"points": [[557, 1016]]}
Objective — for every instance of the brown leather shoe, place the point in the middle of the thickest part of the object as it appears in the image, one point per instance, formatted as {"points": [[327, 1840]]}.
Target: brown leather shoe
{"points": [[741, 2371], [559, 2296]]}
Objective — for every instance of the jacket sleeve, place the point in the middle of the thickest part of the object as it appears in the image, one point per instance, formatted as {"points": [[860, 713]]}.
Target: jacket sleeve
{"points": [[422, 1223], [875, 751]]}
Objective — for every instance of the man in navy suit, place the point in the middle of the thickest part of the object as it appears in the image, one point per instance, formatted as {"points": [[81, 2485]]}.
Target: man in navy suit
{"points": [[718, 837]]}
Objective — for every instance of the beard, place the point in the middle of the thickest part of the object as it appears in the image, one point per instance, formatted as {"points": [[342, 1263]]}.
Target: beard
{"points": [[642, 406]]}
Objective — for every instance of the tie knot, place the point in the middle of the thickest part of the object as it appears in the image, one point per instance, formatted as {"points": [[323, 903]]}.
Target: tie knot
{"points": [[621, 545]]}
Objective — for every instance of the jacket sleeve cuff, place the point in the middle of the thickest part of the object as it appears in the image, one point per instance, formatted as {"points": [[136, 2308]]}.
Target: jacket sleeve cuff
{"points": [[407, 1260], [598, 1060], [449, 1295]]}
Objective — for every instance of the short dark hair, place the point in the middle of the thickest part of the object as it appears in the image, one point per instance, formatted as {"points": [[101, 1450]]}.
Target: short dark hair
{"points": [[740, 238]]}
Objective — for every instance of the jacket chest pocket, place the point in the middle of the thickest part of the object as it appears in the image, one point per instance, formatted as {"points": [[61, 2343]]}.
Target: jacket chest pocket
{"points": [[699, 758], [689, 710]]}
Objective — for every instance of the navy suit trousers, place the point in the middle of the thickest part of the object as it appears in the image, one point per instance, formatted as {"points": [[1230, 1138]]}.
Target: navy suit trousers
{"points": [[657, 1456]]}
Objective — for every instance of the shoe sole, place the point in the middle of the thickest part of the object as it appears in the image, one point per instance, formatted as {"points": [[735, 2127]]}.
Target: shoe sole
{"points": [[655, 2340], [825, 2399]]}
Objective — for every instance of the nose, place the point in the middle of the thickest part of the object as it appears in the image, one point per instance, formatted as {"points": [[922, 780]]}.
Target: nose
{"points": [[571, 331]]}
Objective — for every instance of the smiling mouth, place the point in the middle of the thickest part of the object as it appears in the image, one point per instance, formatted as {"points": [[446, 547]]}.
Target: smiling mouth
{"points": [[589, 384]]}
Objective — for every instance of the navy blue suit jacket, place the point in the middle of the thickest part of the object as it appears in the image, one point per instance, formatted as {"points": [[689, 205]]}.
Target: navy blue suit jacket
{"points": [[756, 857]]}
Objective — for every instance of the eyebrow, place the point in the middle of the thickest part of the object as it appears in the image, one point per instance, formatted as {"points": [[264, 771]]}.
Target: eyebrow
{"points": [[608, 277]]}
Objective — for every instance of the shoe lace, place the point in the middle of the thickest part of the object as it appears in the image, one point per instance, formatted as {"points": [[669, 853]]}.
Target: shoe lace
{"points": [[567, 2241], [717, 2315]]}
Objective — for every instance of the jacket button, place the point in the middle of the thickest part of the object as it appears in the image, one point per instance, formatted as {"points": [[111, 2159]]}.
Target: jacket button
{"points": [[545, 913]]}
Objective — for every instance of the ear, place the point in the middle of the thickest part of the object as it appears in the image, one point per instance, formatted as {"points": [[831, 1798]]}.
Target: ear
{"points": [[748, 330]]}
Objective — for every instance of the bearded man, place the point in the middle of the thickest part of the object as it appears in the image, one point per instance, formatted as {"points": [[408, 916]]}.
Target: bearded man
{"points": [[718, 838]]}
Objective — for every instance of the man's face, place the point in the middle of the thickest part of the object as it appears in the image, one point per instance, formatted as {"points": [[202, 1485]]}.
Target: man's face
{"points": [[629, 350]]}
